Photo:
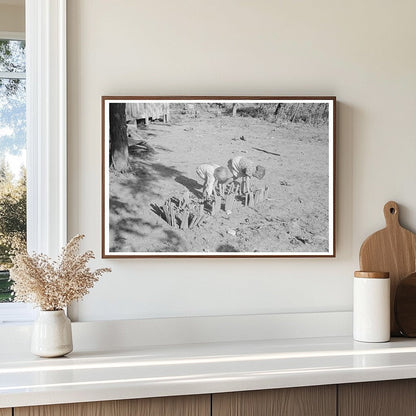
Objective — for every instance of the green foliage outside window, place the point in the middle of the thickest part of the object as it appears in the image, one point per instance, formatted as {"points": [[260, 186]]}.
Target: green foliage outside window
{"points": [[12, 224], [12, 147]]}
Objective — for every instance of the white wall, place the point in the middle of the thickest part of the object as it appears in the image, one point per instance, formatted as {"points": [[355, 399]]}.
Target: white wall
{"points": [[361, 51], [12, 18]]}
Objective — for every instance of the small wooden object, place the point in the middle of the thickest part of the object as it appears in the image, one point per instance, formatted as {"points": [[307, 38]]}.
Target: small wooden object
{"points": [[201, 210], [186, 199], [216, 205], [200, 220], [405, 305], [372, 275], [172, 215], [392, 249], [166, 211], [185, 220], [266, 192], [244, 185], [218, 201], [229, 202], [193, 220], [258, 196]]}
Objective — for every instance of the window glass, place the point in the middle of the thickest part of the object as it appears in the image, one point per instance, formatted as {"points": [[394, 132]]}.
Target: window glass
{"points": [[12, 56], [12, 156]]}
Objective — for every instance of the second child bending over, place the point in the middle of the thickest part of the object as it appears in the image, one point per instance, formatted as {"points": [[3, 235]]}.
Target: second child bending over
{"points": [[212, 174], [244, 168]]}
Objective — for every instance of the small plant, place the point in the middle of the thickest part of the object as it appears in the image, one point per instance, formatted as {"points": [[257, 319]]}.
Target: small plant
{"points": [[53, 285]]}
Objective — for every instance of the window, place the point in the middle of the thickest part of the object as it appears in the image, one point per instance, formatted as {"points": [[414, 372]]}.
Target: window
{"points": [[12, 154], [12, 165], [45, 134]]}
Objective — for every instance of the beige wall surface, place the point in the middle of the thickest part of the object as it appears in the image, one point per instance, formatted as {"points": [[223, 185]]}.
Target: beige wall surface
{"points": [[12, 18], [363, 52]]}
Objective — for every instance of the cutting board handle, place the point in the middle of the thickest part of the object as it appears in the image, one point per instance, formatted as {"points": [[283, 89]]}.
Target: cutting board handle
{"points": [[391, 214]]}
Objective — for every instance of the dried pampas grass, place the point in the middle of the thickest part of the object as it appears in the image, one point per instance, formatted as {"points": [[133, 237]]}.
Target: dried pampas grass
{"points": [[53, 285]]}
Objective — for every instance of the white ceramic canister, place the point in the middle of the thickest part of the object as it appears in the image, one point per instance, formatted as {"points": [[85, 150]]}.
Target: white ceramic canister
{"points": [[371, 310]]}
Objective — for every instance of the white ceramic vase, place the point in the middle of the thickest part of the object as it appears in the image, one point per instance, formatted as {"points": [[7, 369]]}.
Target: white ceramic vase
{"points": [[52, 334]]}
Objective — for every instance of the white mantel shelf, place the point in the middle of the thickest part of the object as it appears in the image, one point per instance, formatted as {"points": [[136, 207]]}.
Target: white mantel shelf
{"points": [[151, 371]]}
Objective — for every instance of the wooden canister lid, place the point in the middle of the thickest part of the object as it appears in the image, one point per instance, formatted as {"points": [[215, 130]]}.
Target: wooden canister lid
{"points": [[372, 275]]}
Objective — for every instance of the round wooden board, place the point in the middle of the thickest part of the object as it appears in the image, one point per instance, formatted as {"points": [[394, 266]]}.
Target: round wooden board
{"points": [[393, 250], [405, 305]]}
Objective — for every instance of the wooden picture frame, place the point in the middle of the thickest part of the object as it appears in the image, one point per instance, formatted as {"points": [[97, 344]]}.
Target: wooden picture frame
{"points": [[218, 176]]}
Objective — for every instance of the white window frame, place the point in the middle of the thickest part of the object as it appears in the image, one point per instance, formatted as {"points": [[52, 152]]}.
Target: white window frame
{"points": [[46, 134], [14, 312]]}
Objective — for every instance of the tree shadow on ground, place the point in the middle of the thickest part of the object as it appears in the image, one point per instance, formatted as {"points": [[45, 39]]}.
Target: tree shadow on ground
{"points": [[226, 248], [164, 171], [172, 242], [128, 194], [127, 231], [141, 150], [141, 178], [158, 211], [191, 184]]}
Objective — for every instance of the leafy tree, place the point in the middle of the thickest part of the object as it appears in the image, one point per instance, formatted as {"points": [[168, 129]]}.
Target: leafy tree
{"points": [[12, 213], [6, 176], [12, 142], [12, 56], [12, 98]]}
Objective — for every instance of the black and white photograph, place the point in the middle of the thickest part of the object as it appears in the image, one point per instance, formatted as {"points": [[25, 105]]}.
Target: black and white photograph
{"points": [[218, 176]]}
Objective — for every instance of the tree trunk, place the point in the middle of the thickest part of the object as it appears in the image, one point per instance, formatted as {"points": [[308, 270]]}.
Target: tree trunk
{"points": [[235, 105], [293, 118], [276, 112], [119, 151]]}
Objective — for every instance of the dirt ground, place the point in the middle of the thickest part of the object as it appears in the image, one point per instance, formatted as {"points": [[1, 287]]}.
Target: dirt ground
{"points": [[293, 219]]}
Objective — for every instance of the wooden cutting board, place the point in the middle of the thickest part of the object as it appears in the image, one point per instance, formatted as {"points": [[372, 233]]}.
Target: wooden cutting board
{"points": [[393, 250], [405, 305]]}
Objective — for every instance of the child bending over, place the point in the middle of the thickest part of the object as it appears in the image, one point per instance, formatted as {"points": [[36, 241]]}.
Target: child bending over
{"points": [[212, 174], [244, 168]]}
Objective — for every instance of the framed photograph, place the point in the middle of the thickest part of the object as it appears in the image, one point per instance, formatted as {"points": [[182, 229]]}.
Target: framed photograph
{"points": [[218, 177]]}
